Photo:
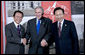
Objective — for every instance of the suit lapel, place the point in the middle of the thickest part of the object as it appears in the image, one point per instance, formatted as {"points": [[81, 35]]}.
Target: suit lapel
{"points": [[63, 27], [56, 28], [41, 25], [14, 28], [34, 26], [22, 31], [42, 29]]}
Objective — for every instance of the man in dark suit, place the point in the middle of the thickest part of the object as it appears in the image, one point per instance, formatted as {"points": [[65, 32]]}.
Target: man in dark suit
{"points": [[64, 33], [15, 35], [39, 31]]}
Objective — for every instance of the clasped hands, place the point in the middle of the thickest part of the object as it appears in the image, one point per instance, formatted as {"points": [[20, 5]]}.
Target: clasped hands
{"points": [[44, 43]]}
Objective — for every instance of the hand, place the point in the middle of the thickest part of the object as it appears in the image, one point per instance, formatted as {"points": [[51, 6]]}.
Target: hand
{"points": [[44, 43], [24, 41]]}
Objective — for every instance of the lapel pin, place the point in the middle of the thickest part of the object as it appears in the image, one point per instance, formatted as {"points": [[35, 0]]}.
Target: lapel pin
{"points": [[65, 24]]}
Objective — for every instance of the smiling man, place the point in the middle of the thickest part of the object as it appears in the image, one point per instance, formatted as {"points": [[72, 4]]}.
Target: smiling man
{"points": [[39, 30], [64, 33], [15, 34]]}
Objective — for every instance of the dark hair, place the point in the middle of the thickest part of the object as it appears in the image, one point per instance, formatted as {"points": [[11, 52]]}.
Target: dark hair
{"points": [[58, 8], [17, 11]]}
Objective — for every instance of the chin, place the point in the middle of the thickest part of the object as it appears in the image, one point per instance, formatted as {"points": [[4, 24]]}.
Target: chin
{"points": [[18, 22]]}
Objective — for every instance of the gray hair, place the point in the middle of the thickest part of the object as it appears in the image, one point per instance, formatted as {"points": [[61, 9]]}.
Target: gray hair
{"points": [[40, 8]]}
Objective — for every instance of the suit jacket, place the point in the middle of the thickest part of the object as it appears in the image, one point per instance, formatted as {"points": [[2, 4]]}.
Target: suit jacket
{"points": [[13, 44], [67, 43], [44, 33]]}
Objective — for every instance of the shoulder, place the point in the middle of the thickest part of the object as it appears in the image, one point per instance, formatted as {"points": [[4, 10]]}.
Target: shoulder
{"points": [[8, 25], [31, 20], [47, 19], [54, 23], [69, 22]]}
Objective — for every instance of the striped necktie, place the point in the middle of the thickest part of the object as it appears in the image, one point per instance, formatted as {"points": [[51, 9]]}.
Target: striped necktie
{"points": [[59, 29]]}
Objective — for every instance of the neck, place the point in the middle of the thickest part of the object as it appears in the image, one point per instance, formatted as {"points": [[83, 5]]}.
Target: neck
{"points": [[39, 17], [60, 20]]}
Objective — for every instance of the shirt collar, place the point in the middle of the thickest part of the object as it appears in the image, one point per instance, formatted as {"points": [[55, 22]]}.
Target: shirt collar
{"points": [[61, 21], [37, 20], [16, 24]]}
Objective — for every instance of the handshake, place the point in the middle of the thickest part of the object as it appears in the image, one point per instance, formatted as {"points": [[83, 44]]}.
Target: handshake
{"points": [[23, 40], [43, 42]]}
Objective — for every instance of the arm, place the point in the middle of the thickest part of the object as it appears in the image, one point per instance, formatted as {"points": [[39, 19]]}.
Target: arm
{"points": [[45, 40], [49, 31], [27, 35], [74, 39]]}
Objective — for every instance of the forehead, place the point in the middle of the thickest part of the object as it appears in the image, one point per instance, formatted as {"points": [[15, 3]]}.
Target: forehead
{"points": [[58, 11], [38, 9], [18, 13]]}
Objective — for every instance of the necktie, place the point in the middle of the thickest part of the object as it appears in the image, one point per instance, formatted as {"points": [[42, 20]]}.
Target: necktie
{"points": [[59, 31], [38, 26], [18, 29]]}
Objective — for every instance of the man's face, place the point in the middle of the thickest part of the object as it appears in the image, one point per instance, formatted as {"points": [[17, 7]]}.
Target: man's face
{"points": [[38, 13], [59, 14], [18, 17]]}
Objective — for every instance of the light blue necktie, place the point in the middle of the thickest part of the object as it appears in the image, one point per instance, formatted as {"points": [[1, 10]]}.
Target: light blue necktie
{"points": [[38, 26]]}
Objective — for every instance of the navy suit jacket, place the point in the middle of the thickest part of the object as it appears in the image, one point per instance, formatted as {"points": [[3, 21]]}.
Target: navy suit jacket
{"points": [[67, 43], [44, 33]]}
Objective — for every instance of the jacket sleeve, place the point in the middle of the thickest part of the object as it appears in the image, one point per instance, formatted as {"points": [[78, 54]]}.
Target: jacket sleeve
{"points": [[27, 35], [49, 31], [74, 38]]}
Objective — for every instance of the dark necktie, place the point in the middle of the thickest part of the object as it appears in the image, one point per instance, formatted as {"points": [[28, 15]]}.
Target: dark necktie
{"points": [[59, 31], [38, 26], [18, 29]]}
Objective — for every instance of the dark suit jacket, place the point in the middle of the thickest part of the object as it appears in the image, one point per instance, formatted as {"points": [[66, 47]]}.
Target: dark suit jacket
{"points": [[44, 33], [13, 44], [67, 43]]}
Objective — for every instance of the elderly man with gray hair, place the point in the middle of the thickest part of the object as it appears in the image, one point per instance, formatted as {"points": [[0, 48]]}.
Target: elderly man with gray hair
{"points": [[39, 32]]}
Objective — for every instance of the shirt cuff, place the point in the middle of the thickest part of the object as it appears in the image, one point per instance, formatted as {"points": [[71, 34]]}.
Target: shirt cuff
{"points": [[21, 40]]}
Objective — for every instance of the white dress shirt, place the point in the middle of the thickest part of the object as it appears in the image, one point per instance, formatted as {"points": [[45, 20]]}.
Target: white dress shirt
{"points": [[61, 23], [16, 24], [37, 21]]}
